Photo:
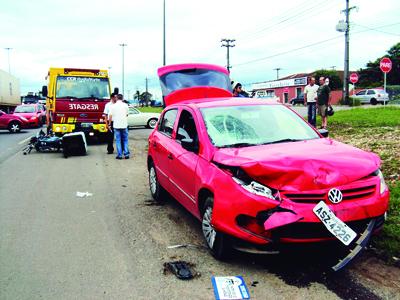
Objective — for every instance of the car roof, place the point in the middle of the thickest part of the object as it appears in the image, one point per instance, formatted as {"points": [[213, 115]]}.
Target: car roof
{"points": [[221, 102]]}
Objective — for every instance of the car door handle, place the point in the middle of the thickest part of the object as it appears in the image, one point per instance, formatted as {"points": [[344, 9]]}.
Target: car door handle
{"points": [[170, 156], [154, 144]]}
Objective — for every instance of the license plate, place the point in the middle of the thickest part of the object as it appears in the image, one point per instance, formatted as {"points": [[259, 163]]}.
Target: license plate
{"points": [[86, 124], [336, 226]]}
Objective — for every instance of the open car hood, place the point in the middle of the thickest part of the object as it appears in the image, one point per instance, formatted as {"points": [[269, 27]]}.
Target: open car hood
{"points": [[185, 82], [299, 166]]}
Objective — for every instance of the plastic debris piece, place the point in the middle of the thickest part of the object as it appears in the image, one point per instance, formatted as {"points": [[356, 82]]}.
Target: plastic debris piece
{"points": [[83, 194], [230, 287], [180, 269], [185, 246]]}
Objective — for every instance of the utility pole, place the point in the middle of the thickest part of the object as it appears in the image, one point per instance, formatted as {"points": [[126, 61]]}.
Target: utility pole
{"points": [[164, 55], [147, 92], [277, 72], [346, 52], [8, 54], [123, 67], [228, 45]]}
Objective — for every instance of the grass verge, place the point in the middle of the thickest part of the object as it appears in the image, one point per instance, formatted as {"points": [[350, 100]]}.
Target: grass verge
{"points": [[376, 130], [150, 109]]}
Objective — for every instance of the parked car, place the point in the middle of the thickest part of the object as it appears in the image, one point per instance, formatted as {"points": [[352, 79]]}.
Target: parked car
{"points": [[298, 100], [156, 103], [255, 173], [372, 96], [34, 113], [138, 118], [12, 122]]}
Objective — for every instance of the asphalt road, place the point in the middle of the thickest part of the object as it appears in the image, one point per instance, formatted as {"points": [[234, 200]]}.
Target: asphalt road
{"points": [[113, 244]]}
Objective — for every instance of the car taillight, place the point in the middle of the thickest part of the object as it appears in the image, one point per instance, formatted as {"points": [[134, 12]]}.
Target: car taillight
{"points": [[252, 225], [379, 95]]}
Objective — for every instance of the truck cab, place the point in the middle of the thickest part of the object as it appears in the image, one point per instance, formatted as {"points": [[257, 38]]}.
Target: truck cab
{"points": [[75, 100]]}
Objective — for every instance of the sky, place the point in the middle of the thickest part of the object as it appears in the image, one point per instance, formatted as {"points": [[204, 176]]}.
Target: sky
{"points": [[294, 35]]}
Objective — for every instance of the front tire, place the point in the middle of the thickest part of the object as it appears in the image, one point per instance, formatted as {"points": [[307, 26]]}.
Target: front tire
{"points": [[156, 190], [14, 127], [152, 123], [217, 242]]}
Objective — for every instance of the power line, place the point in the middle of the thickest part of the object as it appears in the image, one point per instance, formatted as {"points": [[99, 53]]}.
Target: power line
{"points": [[308, 46], [377, 30]]}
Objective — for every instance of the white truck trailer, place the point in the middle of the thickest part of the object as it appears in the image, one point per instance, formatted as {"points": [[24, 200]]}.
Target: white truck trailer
{"points": [[10, 95]]}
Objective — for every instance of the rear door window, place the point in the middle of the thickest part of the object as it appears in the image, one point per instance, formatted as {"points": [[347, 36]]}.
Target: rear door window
{"points": [[371, 92], [167, 122], [187, 127]]}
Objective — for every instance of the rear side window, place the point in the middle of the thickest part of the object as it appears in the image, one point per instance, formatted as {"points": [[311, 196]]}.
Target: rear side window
{"points": [[371, 92], [167, 122]]}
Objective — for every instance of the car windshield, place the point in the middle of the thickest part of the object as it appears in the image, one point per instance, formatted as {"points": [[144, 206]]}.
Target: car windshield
{"points": [[193, 78], [24, 109], [242, 126], [82, 87]]}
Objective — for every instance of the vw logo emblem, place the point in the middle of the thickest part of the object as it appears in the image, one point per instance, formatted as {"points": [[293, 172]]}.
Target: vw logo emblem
{"points": [[335, 196]]}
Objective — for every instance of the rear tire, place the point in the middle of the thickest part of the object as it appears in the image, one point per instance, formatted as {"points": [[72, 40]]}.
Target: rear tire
{"points": [[217, 242], [157, 191], [373, 101], [14, 127]]}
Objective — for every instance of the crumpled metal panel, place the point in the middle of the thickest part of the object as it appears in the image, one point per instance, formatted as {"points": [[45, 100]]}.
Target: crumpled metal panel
{"points": [[299, 166]]}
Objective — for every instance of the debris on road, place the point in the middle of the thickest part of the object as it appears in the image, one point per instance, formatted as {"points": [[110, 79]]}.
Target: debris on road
{"points": [[181, 269], [254, 283], [83, 194], [230, 287], [185, 246]]}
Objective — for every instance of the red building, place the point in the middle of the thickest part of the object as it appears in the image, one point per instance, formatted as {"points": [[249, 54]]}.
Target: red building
{"points": [[290, 87], [285, 88]]}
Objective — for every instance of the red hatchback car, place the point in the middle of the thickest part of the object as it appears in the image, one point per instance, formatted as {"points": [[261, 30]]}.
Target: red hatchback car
{"points": [[34, 113], [255, 173], [12, 123]]}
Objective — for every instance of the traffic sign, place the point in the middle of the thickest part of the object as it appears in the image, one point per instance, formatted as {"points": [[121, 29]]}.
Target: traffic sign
{"points": [[385, 65], [353, 77]]}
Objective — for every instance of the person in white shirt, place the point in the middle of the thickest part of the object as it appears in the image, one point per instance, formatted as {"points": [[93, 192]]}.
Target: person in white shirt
{"points": [[110, 133], [310, 99], [119, 116]]}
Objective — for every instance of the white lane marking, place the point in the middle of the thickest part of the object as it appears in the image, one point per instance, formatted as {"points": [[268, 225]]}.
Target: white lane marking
{"points": [[24, 141]]}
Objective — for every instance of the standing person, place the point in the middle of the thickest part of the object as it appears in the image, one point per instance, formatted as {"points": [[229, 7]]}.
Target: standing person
{"points": [[119, 115], [237, 90], [323, 100], [110, 130], [310, 99]]}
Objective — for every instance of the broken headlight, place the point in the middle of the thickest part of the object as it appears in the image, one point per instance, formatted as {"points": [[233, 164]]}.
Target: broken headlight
{"points": [[254, 187]]}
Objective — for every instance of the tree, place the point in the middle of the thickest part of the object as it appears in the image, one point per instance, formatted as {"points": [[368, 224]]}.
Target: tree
{"points": [[372, 75], [145, 98], [335, 82]]}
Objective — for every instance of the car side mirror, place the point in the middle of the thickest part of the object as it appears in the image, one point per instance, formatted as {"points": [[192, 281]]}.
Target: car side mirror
{"points": [[44, 91], [323, 132], [189, 145]]}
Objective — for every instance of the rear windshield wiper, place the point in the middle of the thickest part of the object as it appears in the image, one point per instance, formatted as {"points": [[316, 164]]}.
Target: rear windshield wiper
{"points": [[283, 141]]}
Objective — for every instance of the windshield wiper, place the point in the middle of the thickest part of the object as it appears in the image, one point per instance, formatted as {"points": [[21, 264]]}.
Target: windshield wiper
{"points": [[71, 97], [283, 141], [239, 145]]}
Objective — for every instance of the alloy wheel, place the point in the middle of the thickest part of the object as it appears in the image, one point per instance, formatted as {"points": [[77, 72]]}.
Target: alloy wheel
{"points": [[208, 230], [153, 180]]}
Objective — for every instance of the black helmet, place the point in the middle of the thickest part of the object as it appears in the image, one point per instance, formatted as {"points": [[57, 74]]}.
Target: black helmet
{"points": [[330, 111]]}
